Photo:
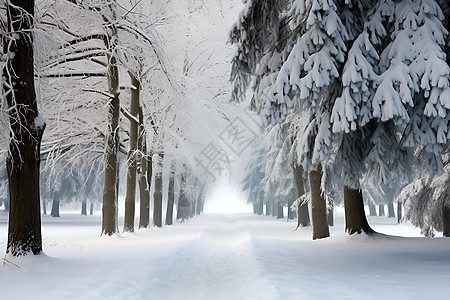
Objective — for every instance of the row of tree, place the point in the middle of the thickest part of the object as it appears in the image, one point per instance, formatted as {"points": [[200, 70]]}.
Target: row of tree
{"points": [[96, 65], [356, 98]]}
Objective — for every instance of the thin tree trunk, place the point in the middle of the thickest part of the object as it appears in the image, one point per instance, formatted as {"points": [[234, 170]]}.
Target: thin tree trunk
{"points": [[26, 128], [355, 216], [302, 212], [291, 213], [130, 198], [170, 195], [391, 213], [381, 210], [201, 200], [260, 205], [84, 208], [144, 188], [44, 207], [55, 208], [372, 209], [268, 208], [318, 206], [91, 209], [183, 202], [446, 221], [274, 209], [7, 201], [255, 208], [280, 212], [110, 192], [157, 195], [399, 211], [330, 215]]}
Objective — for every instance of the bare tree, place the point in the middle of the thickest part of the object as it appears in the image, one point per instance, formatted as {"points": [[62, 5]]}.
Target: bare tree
{"points": [[26, 130]]}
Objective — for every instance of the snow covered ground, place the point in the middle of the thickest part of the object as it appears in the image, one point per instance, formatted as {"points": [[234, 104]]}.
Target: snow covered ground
{"points": [[226, 256]]}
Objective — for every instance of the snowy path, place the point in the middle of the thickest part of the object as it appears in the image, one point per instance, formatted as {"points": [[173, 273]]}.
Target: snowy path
{"points": [[217, 256], [219, 264]]}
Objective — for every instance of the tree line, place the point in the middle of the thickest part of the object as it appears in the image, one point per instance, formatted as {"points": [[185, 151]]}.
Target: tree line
{"points": [[109, 94], [355, 97]]}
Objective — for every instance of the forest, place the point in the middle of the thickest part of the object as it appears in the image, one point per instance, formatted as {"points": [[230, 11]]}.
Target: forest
{"points": [[331, 115]]}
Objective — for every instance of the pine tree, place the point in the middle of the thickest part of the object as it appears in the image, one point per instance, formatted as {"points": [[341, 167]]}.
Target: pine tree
{"points": [[360, 70]]}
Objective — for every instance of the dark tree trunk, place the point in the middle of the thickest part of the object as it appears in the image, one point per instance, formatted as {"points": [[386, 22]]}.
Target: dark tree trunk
{"points": [[130, 198], [381, 210], [372, 209], [302, 212], [84, 208], [446, 221], [355, 216], [171, 195], [183, 203], [330, 215], [318, 206], [91, 209], [280, 213], [27, 128], [391, 213], [110, 191], [399, 211], [157, 194], [55, 208]]}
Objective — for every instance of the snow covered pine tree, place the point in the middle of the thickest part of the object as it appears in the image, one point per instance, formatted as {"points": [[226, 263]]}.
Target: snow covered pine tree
{"points": [[373, 77]]}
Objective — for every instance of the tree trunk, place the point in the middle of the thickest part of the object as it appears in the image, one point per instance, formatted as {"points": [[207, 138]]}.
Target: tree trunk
{"points": [[355, 216], [26, 130], [44, 207], [302, 212], [84, 207], [255, 208], [157, 195], [170, 195], [381, 210], [7, 201], [330, 215], [274, 209], [110, 192], [201, 200], [291, 213], [268, 208], [399, 211], [318, 206], [260, 205], [91, 209], [130, 198], [391, 213], [280, 212], [55, 208], [183, 202], [372, 209], [446, 221], [144, 188]]}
